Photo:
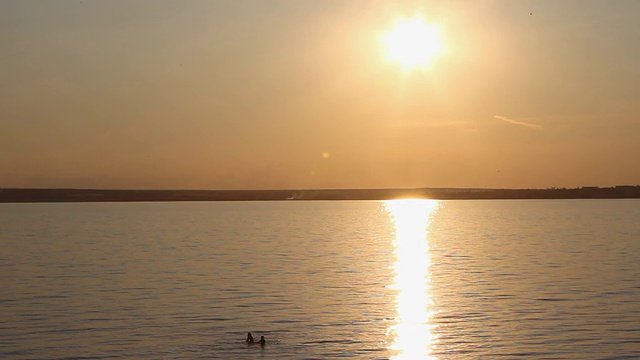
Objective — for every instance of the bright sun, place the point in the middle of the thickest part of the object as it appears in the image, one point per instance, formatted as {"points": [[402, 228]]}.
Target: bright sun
{"points": [[412, 43]]}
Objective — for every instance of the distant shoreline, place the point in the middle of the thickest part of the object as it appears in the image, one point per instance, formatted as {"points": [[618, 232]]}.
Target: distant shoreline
{"points": [[101, 195]]}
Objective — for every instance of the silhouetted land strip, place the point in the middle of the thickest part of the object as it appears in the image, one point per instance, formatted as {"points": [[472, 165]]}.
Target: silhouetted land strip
{"points": [[94, 195]]}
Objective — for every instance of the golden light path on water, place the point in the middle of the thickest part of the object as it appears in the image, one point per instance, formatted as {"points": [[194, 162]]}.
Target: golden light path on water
{"points": [[412, 332]]}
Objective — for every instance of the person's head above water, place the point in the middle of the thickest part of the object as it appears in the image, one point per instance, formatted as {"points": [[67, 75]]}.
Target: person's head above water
{"points": [[249, 338], [262, 340]]}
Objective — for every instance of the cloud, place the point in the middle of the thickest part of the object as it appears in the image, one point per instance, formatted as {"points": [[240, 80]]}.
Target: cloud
{"points": [[521, 123], [429, 124]]}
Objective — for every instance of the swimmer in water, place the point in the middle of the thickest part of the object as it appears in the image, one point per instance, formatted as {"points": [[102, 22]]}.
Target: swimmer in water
{"points": [[262, 341], [249, 338]]}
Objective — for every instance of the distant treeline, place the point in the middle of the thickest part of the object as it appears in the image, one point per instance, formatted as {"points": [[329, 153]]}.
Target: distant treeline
{"points": [[88, 195]]}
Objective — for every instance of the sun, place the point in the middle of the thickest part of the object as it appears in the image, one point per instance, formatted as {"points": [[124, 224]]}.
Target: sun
{"points": [[413, 43]]}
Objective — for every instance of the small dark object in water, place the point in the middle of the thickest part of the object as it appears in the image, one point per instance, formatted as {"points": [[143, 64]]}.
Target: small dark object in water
{"points": [[250, 338], [262, 341]]}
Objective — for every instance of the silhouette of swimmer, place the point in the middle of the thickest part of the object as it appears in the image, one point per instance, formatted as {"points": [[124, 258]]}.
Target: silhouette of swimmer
{"points": [[262, 341], [250, 338]]}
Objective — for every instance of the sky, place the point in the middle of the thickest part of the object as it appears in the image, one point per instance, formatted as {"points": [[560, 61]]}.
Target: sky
{"points": [[155, 94]]}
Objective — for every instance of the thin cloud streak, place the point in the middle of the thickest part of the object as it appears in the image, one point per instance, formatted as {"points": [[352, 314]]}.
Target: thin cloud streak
{"points": [[430, 124], [521, 123]]}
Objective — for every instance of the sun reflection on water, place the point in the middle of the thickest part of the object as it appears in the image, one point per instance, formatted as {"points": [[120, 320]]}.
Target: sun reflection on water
{"points": [[412, 332]]}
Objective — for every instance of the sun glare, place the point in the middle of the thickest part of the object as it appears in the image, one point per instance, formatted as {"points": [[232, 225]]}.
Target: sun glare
{"points": [[412, 334], [412, 43]]}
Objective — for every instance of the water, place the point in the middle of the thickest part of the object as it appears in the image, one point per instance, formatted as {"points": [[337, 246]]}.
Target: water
{"points": [[550, 279]]}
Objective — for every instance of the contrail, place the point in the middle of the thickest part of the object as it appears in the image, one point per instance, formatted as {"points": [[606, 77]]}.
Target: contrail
{"points": [[516, 122]]}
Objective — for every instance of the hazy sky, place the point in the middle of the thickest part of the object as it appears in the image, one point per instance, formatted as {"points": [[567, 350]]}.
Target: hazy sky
{"points": [[301, 94]]}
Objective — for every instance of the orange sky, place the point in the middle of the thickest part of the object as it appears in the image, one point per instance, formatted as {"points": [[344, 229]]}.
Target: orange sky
{"points": [[301, 94]]}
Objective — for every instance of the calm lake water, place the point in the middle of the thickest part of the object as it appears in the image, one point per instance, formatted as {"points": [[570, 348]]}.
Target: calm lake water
{"points": [[551, 279]]}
